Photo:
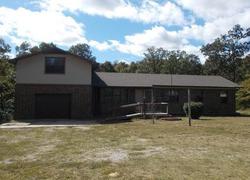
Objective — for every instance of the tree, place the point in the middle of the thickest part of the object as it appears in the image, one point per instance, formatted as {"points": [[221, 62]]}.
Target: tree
{"points": [[226, 52], [23, 49], [243, 95], [7, 88], [85, 52], [4, 49], [43, 46], [152, 61], [82, 50], [159, 60], [179, 62], [121, 67], [133, 67], [106, 67], [245, 68], [7, 83]]}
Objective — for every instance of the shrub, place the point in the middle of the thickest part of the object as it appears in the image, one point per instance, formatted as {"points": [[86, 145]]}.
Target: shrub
{"points": [[196, 109], [7, 87], [243, 95], [6, 110]]}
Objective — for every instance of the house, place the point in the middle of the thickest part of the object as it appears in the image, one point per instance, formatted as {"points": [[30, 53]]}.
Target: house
{"points": [[57, 84]]}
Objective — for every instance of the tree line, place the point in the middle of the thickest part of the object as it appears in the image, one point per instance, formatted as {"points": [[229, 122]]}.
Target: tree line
{"points": [[227, 56]]}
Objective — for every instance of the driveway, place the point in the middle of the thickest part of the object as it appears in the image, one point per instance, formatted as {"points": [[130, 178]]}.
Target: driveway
{"points": [[48, 123]]}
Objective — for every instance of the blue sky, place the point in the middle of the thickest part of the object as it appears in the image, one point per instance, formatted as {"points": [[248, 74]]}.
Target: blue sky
{"points": [[121, 29]]}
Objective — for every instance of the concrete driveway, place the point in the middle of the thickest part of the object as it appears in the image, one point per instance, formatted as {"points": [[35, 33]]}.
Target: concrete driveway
{"points": [[48, 123]]}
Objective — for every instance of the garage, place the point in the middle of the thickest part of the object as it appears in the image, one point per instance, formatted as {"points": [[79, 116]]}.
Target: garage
{"points": [[54, 106]]}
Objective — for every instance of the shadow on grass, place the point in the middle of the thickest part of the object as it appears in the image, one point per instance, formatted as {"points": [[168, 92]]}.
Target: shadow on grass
{"points": [[114, 121], [103, 120], [74, 122]]}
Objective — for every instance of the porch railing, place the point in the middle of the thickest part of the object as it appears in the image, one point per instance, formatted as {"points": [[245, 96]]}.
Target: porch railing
{"points": [[143, 109]]}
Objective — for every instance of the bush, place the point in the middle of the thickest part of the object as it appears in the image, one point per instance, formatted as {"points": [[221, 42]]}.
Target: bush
{"points": [[196, 109], [6, 110], [7, 87], [243, 95]]}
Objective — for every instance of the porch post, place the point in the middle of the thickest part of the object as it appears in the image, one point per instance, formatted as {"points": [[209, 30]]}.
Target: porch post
{"points": [[189, 108], [152, 103]]}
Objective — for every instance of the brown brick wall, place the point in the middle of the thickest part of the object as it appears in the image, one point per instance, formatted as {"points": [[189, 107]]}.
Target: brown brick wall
{"points": [[81, 102], [211, 101]]}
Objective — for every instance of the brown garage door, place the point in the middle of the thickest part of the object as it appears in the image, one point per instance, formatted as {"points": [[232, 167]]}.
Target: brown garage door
{"points": [[54, 106]]}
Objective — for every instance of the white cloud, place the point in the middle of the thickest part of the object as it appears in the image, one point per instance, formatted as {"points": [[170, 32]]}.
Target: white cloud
{"points": [[213, 9], [157, 36], [101, 46], [212, 29], [37, 26], [149, 11], [214, 25], [50, 24]]}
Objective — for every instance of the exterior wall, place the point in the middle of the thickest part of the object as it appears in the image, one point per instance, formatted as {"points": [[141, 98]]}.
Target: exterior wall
{"points": [[139, 94], [32, 71], [209, 97], [213, 106], [81, 102], [111, 98]]}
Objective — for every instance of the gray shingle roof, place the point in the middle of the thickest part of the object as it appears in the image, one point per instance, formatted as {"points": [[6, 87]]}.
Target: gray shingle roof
{"points": [[149, 80]]}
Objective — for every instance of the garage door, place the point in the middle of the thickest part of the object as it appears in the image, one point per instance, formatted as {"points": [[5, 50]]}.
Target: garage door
{"points": [[56, 106]]}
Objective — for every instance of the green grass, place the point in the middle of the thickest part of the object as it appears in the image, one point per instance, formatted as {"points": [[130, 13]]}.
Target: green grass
{"points": [[213, 148]]}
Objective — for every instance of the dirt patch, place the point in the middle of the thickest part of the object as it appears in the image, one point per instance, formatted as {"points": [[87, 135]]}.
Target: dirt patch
{"points": [[119, 155], [34, 154], [189, 152], [153, 151], [46, 148], [114, 174], [43, 149], [141, 140], [113, 155], [17, 139], [6, 161], [148, 151]]}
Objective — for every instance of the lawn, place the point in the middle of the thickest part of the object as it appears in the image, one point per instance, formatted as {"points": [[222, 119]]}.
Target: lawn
{"points": [[213, 148]]}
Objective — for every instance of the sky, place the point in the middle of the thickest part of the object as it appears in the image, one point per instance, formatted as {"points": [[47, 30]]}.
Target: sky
{"points": [[121, 30]]}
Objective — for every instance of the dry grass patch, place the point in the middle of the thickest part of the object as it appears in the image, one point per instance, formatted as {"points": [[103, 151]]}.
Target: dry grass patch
{"points": [[213, 148]]}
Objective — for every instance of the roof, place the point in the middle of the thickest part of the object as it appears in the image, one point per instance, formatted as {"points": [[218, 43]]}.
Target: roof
{"points": [[50, 50], [103, 79]]}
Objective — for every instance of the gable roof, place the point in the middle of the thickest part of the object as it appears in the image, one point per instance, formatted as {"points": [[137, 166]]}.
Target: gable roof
{"points": [[103, 79], [50, 50]]}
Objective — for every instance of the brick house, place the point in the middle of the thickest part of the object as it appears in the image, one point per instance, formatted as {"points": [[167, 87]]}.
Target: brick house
{"points": [[57, 84]]}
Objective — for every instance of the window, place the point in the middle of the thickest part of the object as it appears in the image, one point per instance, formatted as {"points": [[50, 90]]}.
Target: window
{"points": [[223, 97], [54, 65]]}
